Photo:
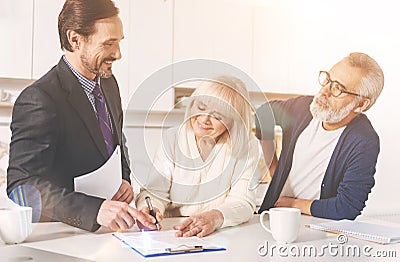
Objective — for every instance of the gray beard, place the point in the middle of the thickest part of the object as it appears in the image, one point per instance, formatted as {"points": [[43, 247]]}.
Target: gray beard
{"points": [[329, 115]]}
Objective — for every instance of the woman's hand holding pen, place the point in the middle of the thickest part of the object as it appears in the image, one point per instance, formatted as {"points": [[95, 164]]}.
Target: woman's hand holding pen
{"points": [[200, 225], [159, 217]]}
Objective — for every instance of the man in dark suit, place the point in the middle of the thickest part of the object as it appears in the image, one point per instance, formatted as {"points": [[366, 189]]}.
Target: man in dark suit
{"points": [[69, 122]]}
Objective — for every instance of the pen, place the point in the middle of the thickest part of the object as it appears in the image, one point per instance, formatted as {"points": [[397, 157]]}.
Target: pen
{"points": [[151, 211]]}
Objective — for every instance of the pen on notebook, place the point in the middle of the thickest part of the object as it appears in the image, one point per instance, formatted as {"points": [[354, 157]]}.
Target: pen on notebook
{"points": [[151, 211]]}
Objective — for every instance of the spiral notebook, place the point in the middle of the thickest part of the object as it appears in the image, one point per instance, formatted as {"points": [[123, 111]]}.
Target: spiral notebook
{"points": [[361, 230]]}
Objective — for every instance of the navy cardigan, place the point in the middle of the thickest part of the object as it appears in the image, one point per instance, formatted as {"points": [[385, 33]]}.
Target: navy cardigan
{"points": [[349, 176]]}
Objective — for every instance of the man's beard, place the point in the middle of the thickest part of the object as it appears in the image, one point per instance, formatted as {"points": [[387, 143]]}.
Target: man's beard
{"points": [[98, 72], [328, 114]]}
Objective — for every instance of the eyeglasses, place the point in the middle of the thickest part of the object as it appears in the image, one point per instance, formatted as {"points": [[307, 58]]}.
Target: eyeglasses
{"points": [[336, 88]]}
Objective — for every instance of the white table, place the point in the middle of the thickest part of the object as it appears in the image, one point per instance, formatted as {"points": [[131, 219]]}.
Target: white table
{"points": [[242, 243]]}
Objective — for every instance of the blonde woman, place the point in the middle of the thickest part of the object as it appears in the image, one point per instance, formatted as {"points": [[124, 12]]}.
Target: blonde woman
{"points": [[207, 167]]}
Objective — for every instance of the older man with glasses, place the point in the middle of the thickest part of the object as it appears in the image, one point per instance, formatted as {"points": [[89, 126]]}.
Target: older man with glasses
{"points": [[329, 147]]}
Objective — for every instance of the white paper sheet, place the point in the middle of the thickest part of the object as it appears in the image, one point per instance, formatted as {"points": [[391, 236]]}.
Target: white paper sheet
{"points": [[152, 243], [103, 182]]}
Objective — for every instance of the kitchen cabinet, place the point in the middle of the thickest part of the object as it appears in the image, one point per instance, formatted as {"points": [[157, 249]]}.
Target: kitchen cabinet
{"points": [[214, 29], [272, 41], [293, 40], [16, 18], [46, 44], [150, 47], [146, 48], [163, 32], [32, 46], [261, 40]]}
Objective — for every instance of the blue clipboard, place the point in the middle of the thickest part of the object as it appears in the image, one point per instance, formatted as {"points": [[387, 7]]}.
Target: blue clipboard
{"points": [[133, 243]]}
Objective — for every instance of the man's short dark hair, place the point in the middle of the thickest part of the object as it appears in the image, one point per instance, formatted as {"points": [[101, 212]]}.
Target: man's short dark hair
{"points": [[80, 16]]}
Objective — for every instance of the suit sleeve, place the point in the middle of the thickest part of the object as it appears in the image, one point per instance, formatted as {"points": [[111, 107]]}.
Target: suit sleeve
{"points": [[35, 132]]}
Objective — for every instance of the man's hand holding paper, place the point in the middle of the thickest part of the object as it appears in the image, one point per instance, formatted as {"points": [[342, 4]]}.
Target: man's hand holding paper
{"points": [[124, 193]]}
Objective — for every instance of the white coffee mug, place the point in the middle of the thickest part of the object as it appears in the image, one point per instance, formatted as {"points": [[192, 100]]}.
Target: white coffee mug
{"points": [[15, 224], [284, 222]]}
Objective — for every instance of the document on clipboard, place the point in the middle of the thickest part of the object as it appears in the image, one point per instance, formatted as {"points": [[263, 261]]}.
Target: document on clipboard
{"points": [[164, 243], [103, 182]]}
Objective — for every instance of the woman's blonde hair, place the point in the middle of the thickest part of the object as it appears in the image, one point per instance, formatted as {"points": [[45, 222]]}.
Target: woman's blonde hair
{"points": [[231, 95]]}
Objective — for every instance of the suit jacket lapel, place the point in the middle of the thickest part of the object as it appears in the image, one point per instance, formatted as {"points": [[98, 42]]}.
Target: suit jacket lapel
{"points": [[81, 104]]}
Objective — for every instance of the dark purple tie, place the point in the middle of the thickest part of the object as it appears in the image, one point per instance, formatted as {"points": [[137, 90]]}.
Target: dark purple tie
{"points": [[104, 120]]}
